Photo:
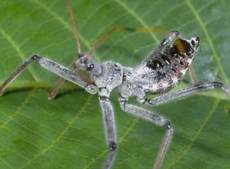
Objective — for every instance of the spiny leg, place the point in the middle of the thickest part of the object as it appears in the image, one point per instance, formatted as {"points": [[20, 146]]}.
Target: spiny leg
{"points": [[186, 92], [52, 66], [148, 115], [109, 122]]}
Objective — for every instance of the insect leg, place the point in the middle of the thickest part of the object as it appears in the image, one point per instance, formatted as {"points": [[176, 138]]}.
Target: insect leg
{"points": [[54, 67], [148, 115], [109, 122], [186, 92]]}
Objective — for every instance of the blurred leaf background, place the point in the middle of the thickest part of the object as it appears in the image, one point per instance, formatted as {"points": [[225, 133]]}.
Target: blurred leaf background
{"points": [[68, 132]]}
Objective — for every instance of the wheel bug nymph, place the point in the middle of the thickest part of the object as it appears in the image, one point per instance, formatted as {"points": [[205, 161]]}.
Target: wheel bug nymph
{"points": [[158, 73]]}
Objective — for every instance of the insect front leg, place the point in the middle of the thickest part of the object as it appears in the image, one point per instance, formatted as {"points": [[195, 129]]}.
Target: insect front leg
{"points": [[109, 122], [54, 67], [148, 115]]}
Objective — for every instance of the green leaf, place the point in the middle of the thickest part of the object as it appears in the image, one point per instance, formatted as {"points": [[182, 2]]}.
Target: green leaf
{"points": [[68, 132]]}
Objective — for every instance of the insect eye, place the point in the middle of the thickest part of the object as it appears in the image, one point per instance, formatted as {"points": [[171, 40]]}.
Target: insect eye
{"points": [[90, 67]]}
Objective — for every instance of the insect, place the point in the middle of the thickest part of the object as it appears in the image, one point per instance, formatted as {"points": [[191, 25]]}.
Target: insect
{"points": [[160, 72]]}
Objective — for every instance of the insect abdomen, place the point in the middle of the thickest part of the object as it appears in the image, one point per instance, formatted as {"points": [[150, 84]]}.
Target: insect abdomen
{"points": [[166, 69]]}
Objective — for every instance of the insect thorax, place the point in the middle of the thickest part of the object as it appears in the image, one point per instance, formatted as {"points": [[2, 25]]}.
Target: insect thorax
{"points": [[111, 76]]}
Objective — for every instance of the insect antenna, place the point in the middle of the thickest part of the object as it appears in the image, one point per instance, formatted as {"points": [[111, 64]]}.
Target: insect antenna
{"points": [[74, 28], [119, 29], [52, 93]]}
